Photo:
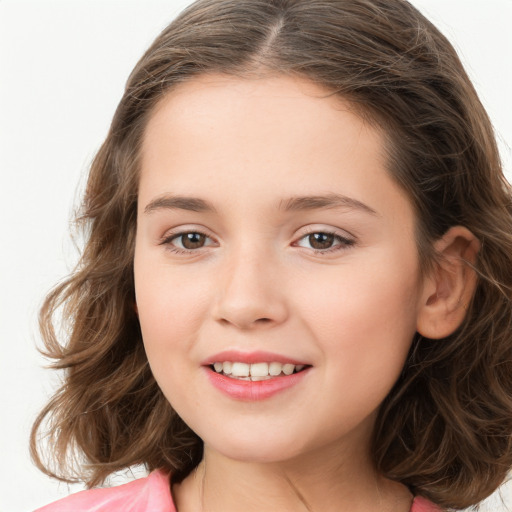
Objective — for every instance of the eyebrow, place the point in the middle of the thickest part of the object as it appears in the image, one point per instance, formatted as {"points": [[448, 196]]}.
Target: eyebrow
{"points": [[193, 204], [324, 201], [298, 203]]}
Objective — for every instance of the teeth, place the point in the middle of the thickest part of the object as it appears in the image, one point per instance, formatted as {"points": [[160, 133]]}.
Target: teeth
{"points": [[256, 371], [259, 369], [240, 369], [288, 369], [275, 368]]}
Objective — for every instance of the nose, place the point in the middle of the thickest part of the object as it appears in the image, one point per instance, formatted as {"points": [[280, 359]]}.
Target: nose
{"points": [[250, 295]]}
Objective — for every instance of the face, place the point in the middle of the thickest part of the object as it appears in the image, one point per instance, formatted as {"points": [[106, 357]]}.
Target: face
{"points": [[271, 240]]}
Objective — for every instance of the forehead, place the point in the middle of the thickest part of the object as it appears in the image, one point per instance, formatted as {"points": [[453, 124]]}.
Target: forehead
{"points": [[268, 138], [277, 101]]}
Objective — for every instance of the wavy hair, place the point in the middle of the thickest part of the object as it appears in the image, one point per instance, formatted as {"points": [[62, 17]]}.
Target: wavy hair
{"points": [[445, 430]]}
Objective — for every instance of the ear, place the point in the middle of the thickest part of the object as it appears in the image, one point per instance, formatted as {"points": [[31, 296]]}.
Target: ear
{"points": [[448, 290]]}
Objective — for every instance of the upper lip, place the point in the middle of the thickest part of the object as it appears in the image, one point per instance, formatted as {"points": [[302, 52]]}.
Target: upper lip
{"points": [[250, 357]]}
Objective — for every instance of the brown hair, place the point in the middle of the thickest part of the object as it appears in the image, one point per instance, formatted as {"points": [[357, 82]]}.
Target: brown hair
{"points": [[445, 430]]}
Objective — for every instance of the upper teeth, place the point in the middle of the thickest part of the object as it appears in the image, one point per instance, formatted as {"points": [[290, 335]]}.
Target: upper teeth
{"points": [[256, 371]]}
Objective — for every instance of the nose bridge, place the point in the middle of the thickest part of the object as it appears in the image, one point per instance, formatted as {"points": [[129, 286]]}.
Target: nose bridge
{"points": [[249, 294]]}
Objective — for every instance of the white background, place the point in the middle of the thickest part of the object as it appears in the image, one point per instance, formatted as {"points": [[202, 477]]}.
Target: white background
{"points": [[63, 65]]}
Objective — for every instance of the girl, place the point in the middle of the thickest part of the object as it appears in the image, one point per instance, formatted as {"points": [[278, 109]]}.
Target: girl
{"points": [[295, 292]]}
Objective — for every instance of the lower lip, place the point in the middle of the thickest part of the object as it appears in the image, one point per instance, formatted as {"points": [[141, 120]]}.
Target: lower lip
{"points": [[253, 391]]}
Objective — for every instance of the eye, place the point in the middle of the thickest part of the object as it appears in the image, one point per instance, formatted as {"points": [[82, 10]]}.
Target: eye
{"points": [[324, 241], [187, 241]]}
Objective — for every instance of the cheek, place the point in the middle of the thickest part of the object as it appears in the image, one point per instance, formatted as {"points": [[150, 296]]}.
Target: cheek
{"points": [[364, 324], [365, 318], [171, 307], [171, 311]]}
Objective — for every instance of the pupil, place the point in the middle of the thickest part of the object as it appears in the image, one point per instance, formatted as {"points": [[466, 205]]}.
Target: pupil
{"points": [[193, 240], [321, 240]]}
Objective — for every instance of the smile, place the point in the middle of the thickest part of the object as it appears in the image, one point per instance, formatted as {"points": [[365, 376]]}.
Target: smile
{"points": [[256, 371], [254, 377]]}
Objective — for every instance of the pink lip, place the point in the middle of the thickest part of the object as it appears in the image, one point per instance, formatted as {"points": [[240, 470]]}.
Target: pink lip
{"points": [[249, 357], [253, 391]]}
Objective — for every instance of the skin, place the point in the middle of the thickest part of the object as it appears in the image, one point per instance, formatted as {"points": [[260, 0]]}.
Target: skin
{"points": [[350, 311]]}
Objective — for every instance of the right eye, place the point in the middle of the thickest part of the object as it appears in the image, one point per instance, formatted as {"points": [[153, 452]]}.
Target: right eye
{"points": [[187, 241]]}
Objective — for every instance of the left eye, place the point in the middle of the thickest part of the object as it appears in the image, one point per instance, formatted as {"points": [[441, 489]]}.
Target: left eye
{"points": [[322, 241]]}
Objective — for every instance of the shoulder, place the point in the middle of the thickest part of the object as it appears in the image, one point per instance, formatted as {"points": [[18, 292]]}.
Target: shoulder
{"points": [[143, 495], [423, 505]]}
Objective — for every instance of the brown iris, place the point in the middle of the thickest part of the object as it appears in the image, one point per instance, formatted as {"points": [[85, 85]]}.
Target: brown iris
{"points": [[321, 240], [193, 240]]}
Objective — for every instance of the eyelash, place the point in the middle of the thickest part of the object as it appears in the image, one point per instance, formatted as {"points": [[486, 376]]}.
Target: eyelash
{"points": [[167, 241], [343, 242]]}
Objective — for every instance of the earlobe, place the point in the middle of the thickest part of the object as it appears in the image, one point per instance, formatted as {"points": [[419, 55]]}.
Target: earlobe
{"points": [[450, 286]]}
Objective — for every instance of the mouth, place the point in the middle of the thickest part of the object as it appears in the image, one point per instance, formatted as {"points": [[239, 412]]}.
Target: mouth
{"points": [[254, 376], [256, 372]]}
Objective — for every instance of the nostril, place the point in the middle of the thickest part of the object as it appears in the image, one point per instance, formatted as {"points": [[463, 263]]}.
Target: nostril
{"points": [[245, 322], [263, 320]]}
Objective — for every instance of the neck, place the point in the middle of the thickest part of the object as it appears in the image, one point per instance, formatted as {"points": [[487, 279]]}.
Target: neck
{"points": [[326, 480]]}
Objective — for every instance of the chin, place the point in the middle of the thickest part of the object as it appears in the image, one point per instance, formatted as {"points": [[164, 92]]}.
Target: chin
{"points": [[257, 449]]}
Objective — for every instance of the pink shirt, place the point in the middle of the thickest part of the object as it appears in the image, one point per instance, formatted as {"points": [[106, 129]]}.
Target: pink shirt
{"points": [[150, 494]]}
